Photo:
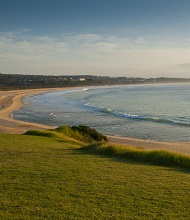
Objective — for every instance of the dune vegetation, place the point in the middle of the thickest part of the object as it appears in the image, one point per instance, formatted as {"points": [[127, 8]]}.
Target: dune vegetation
{"points": [[55, 174], [95, 142]]}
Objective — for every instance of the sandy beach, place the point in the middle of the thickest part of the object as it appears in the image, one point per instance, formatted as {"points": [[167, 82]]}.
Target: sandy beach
{"points": [[178, 147], [12, 100]]}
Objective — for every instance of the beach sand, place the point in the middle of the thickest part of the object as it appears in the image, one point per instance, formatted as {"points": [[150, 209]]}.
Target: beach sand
{"points": [[12, 100], [178, 147]]}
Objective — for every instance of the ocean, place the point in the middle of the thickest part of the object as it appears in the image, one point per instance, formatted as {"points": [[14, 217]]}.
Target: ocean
{"points": [[157, 112]]}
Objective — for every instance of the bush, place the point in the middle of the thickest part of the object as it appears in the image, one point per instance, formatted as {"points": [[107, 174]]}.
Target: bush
{"points": [[82, 133], [89, 133]]}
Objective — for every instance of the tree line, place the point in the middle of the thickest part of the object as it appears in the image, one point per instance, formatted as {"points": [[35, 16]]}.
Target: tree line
{"points": [[20, 81]]}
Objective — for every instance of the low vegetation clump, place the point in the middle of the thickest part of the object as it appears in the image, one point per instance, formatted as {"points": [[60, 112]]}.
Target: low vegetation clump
{"points": [[155, 157], [83, 133], [80, 133]]}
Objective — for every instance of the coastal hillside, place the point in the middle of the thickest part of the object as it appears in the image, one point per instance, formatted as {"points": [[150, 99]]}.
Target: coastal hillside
{"points": [[22, 81], [51, 175]]}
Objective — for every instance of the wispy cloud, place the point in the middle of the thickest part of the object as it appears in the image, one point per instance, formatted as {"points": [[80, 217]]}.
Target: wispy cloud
{"points": [[13, 45], [90, 53], [184, 65]]}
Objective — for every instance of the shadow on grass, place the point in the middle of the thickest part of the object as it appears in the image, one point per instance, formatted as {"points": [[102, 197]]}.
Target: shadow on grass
{"points": [[138, 156], [78, 140]]}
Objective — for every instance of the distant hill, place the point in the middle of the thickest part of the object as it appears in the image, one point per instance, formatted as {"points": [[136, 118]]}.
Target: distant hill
{"points": [[19, 81]]}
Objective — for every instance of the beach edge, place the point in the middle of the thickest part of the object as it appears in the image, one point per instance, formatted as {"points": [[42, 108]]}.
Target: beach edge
{"points": [[12, 100]]}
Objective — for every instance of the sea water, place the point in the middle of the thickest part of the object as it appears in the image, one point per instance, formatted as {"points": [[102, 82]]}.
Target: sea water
{"points": [[157, 112]]}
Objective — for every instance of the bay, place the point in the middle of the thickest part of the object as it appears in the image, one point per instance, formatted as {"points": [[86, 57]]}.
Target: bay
{"points": [[157, 112]]}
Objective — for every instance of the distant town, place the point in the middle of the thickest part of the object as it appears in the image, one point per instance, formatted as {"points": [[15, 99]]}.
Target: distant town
{"points": [[20, 81]]}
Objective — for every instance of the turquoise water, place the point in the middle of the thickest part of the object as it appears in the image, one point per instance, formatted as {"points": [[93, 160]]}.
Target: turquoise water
{"points": [[157, 112]]}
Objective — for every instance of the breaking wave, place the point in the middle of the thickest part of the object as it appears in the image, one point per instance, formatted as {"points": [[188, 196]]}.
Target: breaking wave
{"points": [[136, 117]]}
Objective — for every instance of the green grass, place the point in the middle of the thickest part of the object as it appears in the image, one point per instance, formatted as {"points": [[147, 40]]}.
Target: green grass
{"points": [[50, 178], [154, 157]]}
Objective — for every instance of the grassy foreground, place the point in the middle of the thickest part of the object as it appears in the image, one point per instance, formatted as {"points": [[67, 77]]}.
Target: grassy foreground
{"points": [[50, 178]]}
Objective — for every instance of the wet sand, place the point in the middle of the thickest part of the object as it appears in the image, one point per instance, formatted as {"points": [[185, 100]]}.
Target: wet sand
{"points": [[12, 100]]}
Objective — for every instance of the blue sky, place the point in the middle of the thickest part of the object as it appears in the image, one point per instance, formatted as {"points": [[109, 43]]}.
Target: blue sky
{"points": [[147, 38]]}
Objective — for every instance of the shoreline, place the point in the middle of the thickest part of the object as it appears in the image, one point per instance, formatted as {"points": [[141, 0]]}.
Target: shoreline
{"points": [[12, 100]]}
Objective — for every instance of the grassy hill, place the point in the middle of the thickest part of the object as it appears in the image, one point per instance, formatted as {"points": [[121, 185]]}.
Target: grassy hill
{"points": [[55, 177]]}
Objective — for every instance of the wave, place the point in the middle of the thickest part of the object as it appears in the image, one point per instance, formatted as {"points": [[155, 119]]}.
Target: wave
{"points": [[139, 117], [168, 121], [130, 116], [74, 90], [152, 119], [55, 93]]}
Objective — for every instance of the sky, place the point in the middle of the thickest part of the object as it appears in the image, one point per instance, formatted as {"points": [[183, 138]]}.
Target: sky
{"points": [[131, 38]]}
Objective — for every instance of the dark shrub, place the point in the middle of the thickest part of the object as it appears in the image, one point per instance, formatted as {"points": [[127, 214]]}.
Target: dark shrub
{"points": [[89, 132]]}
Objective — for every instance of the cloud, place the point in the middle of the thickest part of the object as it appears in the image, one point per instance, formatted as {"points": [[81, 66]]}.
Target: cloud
{"points": [[81, 38], [90, 53], [184, 65], [13, 45]]}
